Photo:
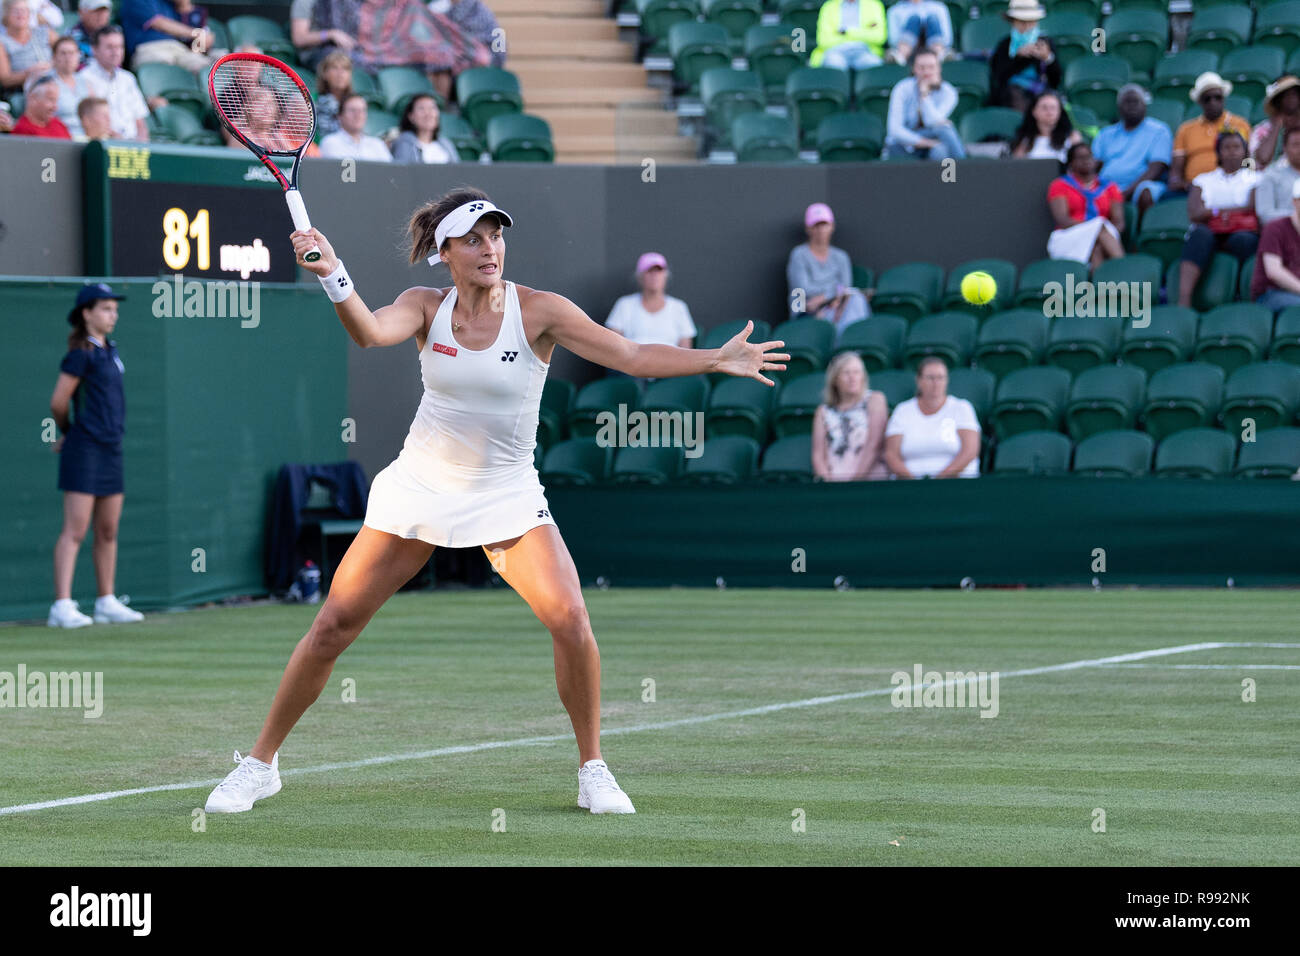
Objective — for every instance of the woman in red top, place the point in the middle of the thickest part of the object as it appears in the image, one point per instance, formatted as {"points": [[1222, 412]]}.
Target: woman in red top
{"points": [[1089, 212]]}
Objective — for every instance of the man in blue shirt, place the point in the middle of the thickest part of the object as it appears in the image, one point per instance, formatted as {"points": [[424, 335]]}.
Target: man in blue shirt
{"points": [[1135, 152], [919, 107], [93, 17], [156, 32]]}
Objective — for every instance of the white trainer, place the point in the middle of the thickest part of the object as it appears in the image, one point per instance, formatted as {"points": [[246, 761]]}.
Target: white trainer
{"points": [[599, 792], [65, 613], [109, 610], [251, 781]]}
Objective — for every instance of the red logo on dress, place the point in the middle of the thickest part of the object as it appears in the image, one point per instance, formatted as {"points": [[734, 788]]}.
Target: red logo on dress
{"points": [[444, 349]]}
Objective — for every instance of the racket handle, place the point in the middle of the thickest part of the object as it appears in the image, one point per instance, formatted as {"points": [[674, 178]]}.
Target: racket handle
{"points": [[300, 221]]}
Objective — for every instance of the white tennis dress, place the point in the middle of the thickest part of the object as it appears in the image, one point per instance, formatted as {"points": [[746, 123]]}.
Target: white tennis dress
{"points": [[465, 475]]}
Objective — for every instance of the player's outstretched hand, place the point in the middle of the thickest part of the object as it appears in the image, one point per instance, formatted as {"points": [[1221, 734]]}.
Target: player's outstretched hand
{"points": [[302, 243], [750, 359]]}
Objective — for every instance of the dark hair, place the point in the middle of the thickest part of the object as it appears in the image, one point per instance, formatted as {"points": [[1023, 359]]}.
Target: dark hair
{"points": [[929, 360], [65, 39], [1069, 154], [424, 222], [1226, 135], [88, 104], [349, 98], [406, 125], [919, 52], [79, 337], [106, 31], [1028, 130]]}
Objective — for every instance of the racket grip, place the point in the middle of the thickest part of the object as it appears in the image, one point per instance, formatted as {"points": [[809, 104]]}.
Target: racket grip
{"points": [[300, 221]]}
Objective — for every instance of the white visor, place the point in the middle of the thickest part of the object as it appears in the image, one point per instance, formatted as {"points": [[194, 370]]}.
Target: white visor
{"points": [[461, 220]]}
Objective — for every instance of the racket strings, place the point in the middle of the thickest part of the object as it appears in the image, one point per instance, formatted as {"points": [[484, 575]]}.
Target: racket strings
{"points": [[264, 104]]}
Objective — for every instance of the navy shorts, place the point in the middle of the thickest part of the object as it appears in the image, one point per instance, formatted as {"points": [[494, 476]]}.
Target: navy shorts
{"points": [[89, 466]]}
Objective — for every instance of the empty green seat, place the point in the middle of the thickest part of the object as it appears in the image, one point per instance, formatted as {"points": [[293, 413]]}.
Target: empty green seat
{"points": [[487, 91], [1250, 69], [814, 93], [872, 87], [602, 395], [734, 16], [696, 47], [263, 33], [400, 84], [975, 385], [764, 138], [989, 124], [175, 84], [365, 84], [1286, 336], [463, 136], [720, 335], [1163, 228], [797, 403], [1071, 33], [687, 394], [1196, 453], [1037, 452], [910, 290], [728, 93], [849, 138], [1176, 73], [739, 406], [1244, 278], [1219, 29], [982, 35], [897, 385], [1278, 24], [1168, 338], [788, 460], [1135, 268], [1273, 454], [802, 14], [1011, 340], [1075, 343], [1095, 81], [807, 342], [553, 412], [1004, 276], [1105, 398], [878, 340], [380, 122], [1037, 276], [647, 466], [182, 126], [1234, 335], [771, 54], [658, 17], [578, 461], [1114, 454], [724, 460], [1266, 392], [1030, 399], [1186, 395], [1170, 112], [949, 335], [970, 78], [520, 138]]}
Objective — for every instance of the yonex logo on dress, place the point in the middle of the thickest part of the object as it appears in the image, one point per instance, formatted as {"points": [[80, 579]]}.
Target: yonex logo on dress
{"points": [[444, 349], [543, 513], [508, 356]]}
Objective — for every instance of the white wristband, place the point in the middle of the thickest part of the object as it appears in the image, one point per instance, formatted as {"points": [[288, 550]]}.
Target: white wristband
{"points": [[338, 284]]}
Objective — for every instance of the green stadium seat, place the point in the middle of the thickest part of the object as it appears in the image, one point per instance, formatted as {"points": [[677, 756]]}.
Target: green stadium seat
{"points": [[1234, 335], [520, 138], [1244, 278], [982, 35], [1286, 336], [735, 16], [1037, 275], [739, 406], [688, 394], [1278, 25], [849, 138], [175, 84], [466, 140], [1004, 275], [764, 138], [578, 461], [1077, 344], [1085, 120], [486, 91], [720, 335], [1139, 36], [949, 335], [863, 277], [975, 385], [1219, 29], [1163, 228], [1176, 73], [539, 455], [379, 122], [897, 385], [308, 78], [990, 124], [725, 460], [808, 343], [1250, 69], [1140, 268], [1094, 82], [399, 84], [1105, 398], [265, 33], [1186, 395], [364, 83], [1169, 338], [910, 290], [1071, 33], [771, 54], [1011, 340], [694, 48], [658, 17], [648, 465], [1170, 112], [728, 93], [1217, 285], [1266, 392], [803, 15], [1273, 454], [1114, 454], [877, 340], [602, 395], [872, 87], [814, 93], [788, 460], [181, 126], [1030, 399], [1036, 452], [553, 413], [797, 403], [1196, 453], [1092, 8], [970, 78], [221, 39]]}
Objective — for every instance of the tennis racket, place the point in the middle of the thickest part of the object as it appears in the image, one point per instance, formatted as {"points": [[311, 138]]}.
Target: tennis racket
{"points": [[267, 107]]}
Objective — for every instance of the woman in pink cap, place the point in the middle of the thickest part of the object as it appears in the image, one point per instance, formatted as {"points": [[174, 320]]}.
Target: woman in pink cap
{"points": [[651, 317], [821, 275]]}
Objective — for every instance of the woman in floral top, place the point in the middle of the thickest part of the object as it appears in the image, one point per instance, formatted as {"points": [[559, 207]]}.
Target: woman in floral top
{"points": [[849, 427]]}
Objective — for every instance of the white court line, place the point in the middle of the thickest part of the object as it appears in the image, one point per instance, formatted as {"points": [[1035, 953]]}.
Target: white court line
{"points": [[617, 731], [1213, 667]]}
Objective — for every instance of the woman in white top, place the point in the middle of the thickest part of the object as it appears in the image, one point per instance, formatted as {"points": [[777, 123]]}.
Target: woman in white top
{"points": [[848, 429], [934, 435], [1046, 131], [465, 475], [651, 316], [72, 85], [1221, 207], [421, 139]]}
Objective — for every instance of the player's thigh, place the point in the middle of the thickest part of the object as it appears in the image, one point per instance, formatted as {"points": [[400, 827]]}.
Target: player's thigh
{"points": [[374, 567], [539, 567], [77, 509], [108, 513]]}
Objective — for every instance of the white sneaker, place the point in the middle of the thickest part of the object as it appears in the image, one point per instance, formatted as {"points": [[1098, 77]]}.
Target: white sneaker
{"points": [[65, 613], [245, 785], [109, 610], [599, 792]]}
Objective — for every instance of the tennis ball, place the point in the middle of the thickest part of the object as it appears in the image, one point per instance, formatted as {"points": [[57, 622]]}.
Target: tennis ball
{"points": [[978, 288]]}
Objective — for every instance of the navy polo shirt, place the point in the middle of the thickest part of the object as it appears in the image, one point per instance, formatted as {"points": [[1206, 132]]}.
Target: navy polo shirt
{"points": [[99, 400]]}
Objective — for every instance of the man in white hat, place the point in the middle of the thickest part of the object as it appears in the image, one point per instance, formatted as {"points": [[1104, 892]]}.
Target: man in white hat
{"points": [[1276, 282], [1024, 62], [1282, 103], [1195, 139]]}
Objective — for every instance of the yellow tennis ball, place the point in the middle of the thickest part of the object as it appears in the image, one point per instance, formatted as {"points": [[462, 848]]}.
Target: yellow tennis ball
{"points": [[978, 288]]}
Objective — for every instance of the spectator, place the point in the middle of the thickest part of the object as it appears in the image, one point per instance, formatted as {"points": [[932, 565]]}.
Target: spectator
{"points": [[1046, 131], [934, 435], [39, 119], [6, 118], [93, 17], [914, 21], [72, 85], [824, 274], [1135, 152], [474, 17], [850, 35], [1088, 211], [1195, 143], [848, 430], [1276, 280], [1221, 207], [351, 141], [919, 107], [158, 32], [49, 15], [651, 317], [333, 83], [1024, 62], [316, 43], [24, 46], [95, 119], [421, 140], [1282, 104], [109, 81], [1276, 184]]}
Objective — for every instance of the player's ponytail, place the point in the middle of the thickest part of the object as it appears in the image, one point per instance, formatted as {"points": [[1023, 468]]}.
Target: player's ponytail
{"points": [[424, 222]]}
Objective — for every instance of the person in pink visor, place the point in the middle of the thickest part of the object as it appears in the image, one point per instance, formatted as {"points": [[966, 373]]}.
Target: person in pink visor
{"points": [[651, 316], [821, 275]]}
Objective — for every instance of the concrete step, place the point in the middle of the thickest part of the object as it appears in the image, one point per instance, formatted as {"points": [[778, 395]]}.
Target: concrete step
{"points": [[540, 74], [539, 47], [609, 121], [542, 98], [639, 147], [614, 159], [549, 8], [575, 28]]}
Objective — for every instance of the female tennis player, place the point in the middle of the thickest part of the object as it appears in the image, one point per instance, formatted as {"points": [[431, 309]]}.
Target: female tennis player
{"points": [[465, 475]]}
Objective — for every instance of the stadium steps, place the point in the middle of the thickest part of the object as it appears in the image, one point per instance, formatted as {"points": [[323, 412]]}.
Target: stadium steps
{"points": [[583, 80]]}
